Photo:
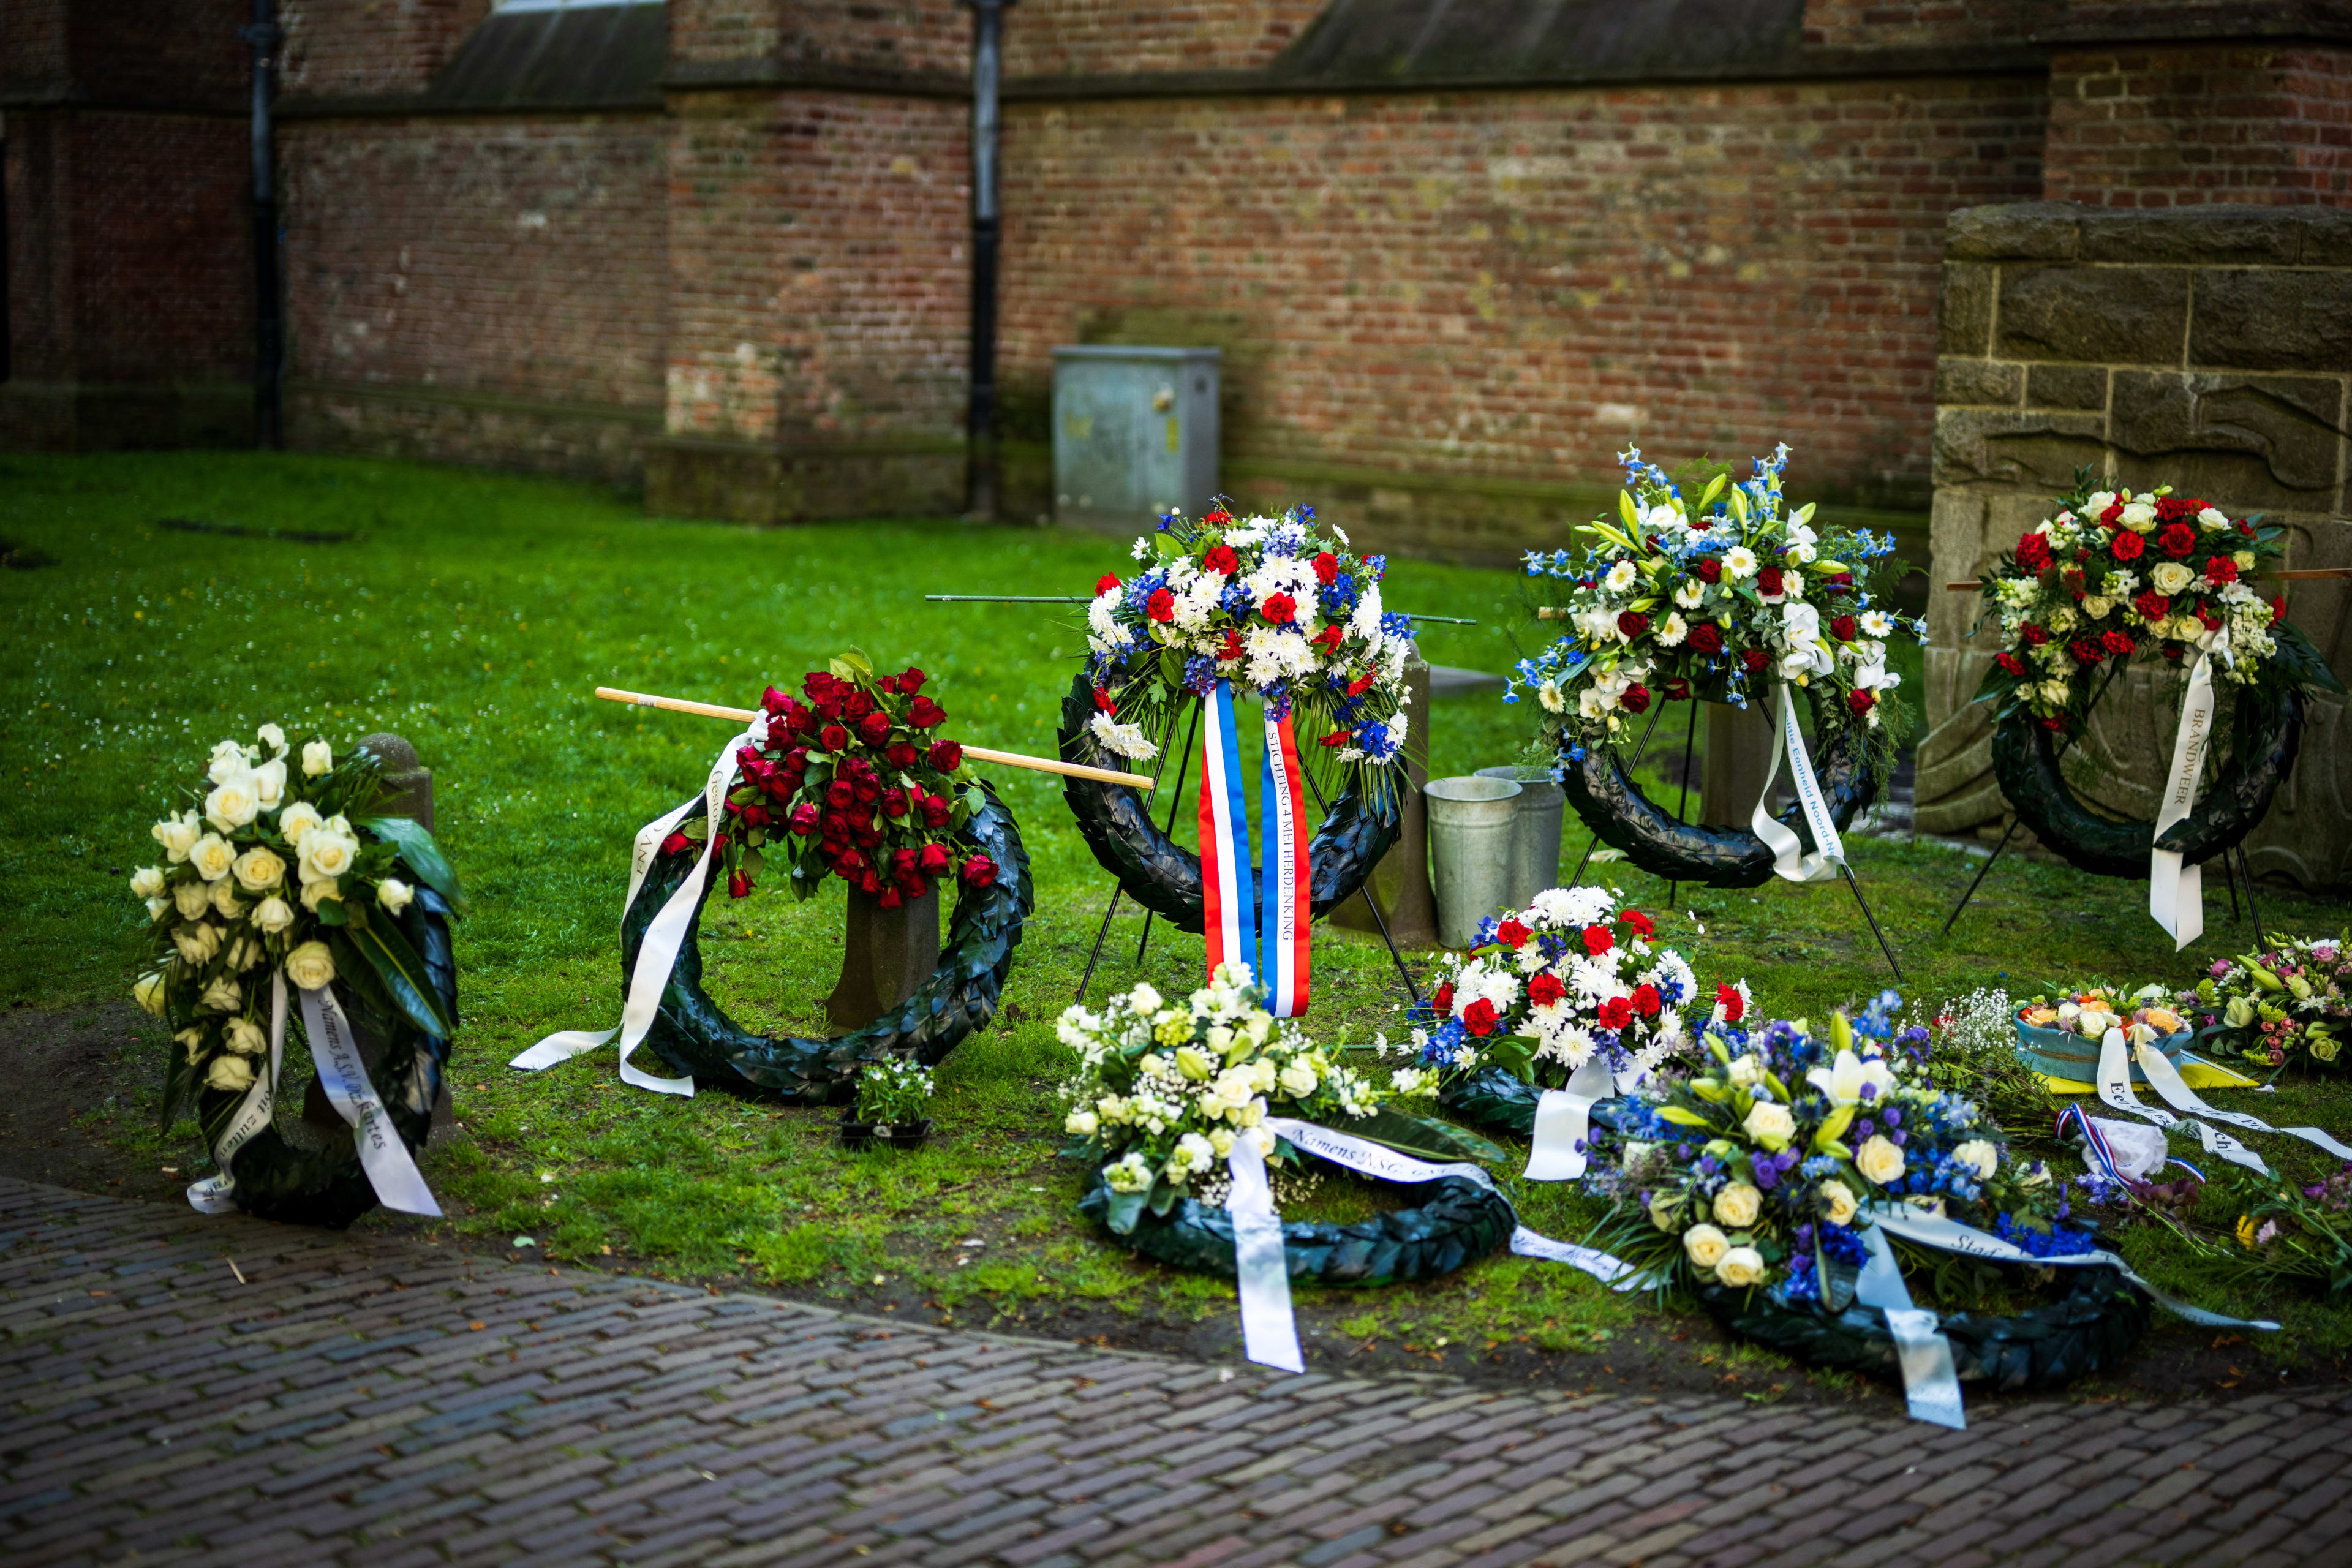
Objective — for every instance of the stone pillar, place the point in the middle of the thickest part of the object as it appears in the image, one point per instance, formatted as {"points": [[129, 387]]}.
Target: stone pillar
{"points": [[886, 955], [1400, 883]]}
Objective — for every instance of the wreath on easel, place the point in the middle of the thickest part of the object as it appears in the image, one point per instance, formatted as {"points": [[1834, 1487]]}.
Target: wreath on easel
{"points": [[1721, 600], [2112, 576]]}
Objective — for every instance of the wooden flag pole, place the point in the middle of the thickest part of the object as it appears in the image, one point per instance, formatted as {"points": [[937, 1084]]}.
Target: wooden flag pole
{"points": [[1010, 759]]}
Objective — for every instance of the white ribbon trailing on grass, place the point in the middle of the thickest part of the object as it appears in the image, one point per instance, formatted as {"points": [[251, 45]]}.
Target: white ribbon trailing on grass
{"points": [[657, 954], [2180, 1096], [2115, 1089], [217, 1194], [1931, 1388], [1564, 1122], [2175, 894], [1789, 855]]}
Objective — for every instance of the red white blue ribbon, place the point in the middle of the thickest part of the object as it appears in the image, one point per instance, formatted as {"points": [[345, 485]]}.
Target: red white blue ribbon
{"points": [[1258, 921]]}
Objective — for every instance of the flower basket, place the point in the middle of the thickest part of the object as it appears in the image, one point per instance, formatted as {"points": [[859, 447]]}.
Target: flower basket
{"points": [[891, 1135], [2075, 1057]]}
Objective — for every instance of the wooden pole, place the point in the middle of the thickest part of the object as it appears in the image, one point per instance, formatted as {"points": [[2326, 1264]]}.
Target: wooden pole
{"points": [[1009, 759]]}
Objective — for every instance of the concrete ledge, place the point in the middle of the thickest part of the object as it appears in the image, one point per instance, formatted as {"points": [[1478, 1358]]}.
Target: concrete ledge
{"points": [[81, 416]]}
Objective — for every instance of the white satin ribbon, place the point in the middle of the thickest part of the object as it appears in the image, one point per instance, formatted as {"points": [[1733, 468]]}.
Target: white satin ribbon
{"points": [[657, 954], [2115, 1089], [2169, 1083], [1261, 1264], [2175, 894], [1931, 1388], [217, 1194], [1789, 855], [391, 1169], [1564, 1122]]}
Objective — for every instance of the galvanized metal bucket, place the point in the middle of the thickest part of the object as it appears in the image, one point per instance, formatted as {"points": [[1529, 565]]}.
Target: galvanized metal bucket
{"points": [[1534, 840], [2075, 1057], [1473, 837]]}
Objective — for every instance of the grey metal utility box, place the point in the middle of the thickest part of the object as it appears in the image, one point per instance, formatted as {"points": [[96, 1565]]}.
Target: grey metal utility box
{"points": [[1135, 432]]}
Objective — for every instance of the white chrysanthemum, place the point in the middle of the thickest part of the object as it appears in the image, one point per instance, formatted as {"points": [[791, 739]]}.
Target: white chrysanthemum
{"points": [[1125, 740]]}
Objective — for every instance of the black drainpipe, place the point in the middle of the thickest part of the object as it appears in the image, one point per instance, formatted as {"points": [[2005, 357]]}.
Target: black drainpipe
{"points": [[269, 321], [979, 455]]}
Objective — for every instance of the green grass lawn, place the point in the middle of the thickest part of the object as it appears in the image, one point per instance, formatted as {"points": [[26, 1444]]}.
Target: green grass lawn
{"points": [[474, 614]]}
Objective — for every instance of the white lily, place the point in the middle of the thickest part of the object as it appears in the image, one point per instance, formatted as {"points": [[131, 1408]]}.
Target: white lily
{"points": [[1844, 1080]]}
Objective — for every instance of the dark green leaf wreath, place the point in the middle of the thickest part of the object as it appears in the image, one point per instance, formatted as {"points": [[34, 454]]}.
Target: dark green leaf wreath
{"points": [[1459, 1222], [1501, 1101], [2269, 726], [694, 1035], [1164, 877], [1604, 794], [2089, 1329], [326, 1186]]}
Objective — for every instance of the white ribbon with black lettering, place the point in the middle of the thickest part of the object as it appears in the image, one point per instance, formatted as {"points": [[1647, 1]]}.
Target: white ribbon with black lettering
{"points": [[1931, 1388], [2115, 1089], [2175, 894], [657, 954], [2168, 1082], [217, 1194], [1564, 1122], [342, 1073], [1789, 855]]}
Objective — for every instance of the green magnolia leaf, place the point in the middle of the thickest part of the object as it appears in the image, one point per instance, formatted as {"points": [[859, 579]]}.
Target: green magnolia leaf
{"points": [[1423, 1136], [420, 853], [332, 912], [1172, 666], [403, 976], [1168, 545], [851, 664], [1123, 1210]]}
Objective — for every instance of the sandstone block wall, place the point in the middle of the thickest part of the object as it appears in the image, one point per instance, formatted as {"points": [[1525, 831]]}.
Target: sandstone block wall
{"points": [[2209, 347]]}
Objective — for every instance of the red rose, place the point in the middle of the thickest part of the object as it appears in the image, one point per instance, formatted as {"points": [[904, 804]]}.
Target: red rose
{"points": [[1634, 699], [677, 844], [1161, 606], [902, 862], [868, 790], [1616, 1012], [2035, 636], [1844, 628], [2207, 618], [1326, 568], [911, 682], [2127, 546], [817, 684], [889, 898], [1106, 583], [1443, 1000], [775, 701], [934, 861], [1632, 622], [849, 863], [840, 794], [2033, 552], [1279, 609], [2152, 604], [1753, 658], [875, 728], [924, 715], [2221, 571], [2085, 650], [902, 755], [935, 810], [979, 871], [1103, 704], [1640, 923], [1221, 560], [2176, 539], [739, 886], [2116, 642], [947, 755], [833, 738], [2011, 663], [1707, 638], [856, 705], [1479, 1018], [1768, 582], [1645, 1001], [893, 802], [1544, 990], [889, 684], [1512, 934], [1598, 939], [1708, 568], [804, 818], [1727, 998], [1860, 701]]}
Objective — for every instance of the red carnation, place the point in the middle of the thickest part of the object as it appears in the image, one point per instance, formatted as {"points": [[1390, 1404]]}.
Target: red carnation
{"points": [[2011, 663], [1616, 1012], [2221, 571], [1222, 560], [1279, 609], [1753, 658], [1860, 701], [1479, 1018], [2085, 650], [2127, 545], [924, 715], [1161, 606], [979, 871], [1768, 582], [677, 844], [1512, 934], [1844, 628], [1727, 998], [875, 728], [1103, 704], [1708, 568], [1326, 568], [1632, 622], [2207, 618], [2176, 539], [1232, 648], [1598, 939], [1219, 515], [1634, 699], [804, 818], [947, 755], [739, 886], [1106, 583], [893, 802], [2035, 636], [1443, 1000], [2033, 552], [1328, 637], [2152, 604], [1707, 638], [833, 738], [1640, 923], [1544, 990], [1336, 738], [1645, 1001], [2054, 721], [2116, 642], [2113, 514], [2278, 609]]}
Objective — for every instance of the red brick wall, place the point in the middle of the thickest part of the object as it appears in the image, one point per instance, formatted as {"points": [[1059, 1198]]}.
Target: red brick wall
{"points": [[516, 255], [162, 52], [1518, 283], [338, 49], [2176, 127], [1116, 37], [818, 266], [32, 42], [1910, 24]]}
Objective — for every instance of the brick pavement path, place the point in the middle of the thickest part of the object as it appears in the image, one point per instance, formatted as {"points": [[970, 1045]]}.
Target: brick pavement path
{"points": [[380, 1401]]}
